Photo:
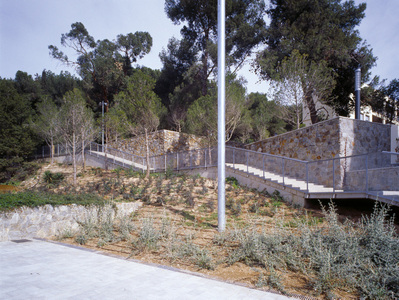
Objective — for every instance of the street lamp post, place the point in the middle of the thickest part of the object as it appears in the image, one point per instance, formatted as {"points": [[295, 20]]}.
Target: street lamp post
{"points": [[102, 123], [221, 115], [357, 92]]}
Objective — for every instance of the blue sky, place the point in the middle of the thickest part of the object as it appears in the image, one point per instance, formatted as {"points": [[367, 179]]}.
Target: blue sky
{"points": [[27, 27]]}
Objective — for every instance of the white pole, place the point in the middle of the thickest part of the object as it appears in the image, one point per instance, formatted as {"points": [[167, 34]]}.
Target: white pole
{"points": [[102, 124], [221, 115]]}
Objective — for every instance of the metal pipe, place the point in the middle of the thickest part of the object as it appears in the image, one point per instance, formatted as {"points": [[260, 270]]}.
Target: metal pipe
{"points": [[221, 115], [367, 172], [247, 162], [283, 171], [263, 161], [357, 93], [333, 175], [307, 177], [234, 159]]}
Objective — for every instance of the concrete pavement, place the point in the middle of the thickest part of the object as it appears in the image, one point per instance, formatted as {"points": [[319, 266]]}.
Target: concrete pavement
{"points": [[38, 269]]}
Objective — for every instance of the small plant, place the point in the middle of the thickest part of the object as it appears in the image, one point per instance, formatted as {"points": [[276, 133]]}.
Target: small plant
{"points": [[211, 205], [81, 239], [53, 178], [203, 260], [232, 181], [66, 233], [149, 236]]}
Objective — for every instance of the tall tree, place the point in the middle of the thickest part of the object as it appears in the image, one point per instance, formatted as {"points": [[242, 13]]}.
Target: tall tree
{"points": [[295, 76], [141, 108], [47, 124], [177, 59], [382, 98], [56, 86], [17, 141], [265, 116], [28, 87], [75, 121], [133, 46], [244, 29], [324, 30], [202, 114], [102, 64]]}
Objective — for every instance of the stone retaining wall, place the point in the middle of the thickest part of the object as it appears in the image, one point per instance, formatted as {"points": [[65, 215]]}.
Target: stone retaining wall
{"points": [[337, 137], [46, 221], [160, 142]]}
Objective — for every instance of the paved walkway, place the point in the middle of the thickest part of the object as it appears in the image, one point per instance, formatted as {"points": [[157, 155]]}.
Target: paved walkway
{"points": [[45, 270]]}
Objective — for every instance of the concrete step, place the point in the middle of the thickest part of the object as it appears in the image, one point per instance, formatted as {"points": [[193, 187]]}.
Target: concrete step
{"points": [[287, 181]]}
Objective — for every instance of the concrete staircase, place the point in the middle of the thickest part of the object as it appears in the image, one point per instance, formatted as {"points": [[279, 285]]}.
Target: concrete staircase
{"points": [[286, 181]]}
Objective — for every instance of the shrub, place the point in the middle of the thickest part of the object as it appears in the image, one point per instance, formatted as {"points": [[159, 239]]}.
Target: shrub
{"points": [[53, 178], [362, 257], [31, 199], [232, 181]]}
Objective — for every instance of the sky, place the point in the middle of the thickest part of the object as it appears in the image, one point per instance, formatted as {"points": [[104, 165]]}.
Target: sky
{"points": [[28, 27]]}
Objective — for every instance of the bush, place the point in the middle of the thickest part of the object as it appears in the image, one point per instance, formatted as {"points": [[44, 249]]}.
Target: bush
{"points": [[53, 178], [10, 201], [362, 257], [233, 181]]}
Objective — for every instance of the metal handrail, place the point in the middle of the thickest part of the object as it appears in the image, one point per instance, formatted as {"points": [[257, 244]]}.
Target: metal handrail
{"points": [[180, 161]]}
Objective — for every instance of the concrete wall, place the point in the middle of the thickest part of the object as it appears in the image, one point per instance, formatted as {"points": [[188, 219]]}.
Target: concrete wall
{"points": [[160, 142], [46, 221]]}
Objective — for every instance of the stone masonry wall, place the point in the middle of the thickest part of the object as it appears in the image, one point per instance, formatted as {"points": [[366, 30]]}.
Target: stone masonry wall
{"points": [[337, 137], [360, 137], [333, 138], [320, 141], [161, 142], [46, 221]]}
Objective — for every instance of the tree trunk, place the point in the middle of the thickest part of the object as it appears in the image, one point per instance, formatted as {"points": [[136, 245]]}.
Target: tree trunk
{"points": [[311, 106], [52, 151], [74, 158], [205, 67], [83, 152], [147, 153]]}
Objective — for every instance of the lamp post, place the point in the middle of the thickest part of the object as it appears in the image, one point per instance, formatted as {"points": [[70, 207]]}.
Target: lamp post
{"points": [[357, 93], [221, 115], [102, 124]]}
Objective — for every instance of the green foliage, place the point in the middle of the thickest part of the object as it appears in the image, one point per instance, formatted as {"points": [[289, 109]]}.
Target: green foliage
{"points": [[295, 77], [202, 113], [233, 181], [17, 141], [244, 28], [139, 105], [52, 178], [266, 116], [103, 65], [9, 201], [325, 31]]}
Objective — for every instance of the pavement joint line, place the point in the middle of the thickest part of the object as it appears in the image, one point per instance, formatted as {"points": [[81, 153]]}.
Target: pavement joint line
{"points": [[169, 268]]}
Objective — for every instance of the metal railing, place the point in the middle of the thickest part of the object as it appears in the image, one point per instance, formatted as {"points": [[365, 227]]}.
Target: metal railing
{"points": [[45, 151], [190, 159], [356, 173]]}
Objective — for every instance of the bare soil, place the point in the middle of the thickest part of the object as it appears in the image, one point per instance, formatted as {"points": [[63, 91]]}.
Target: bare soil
{"points": [[190, 206]]}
